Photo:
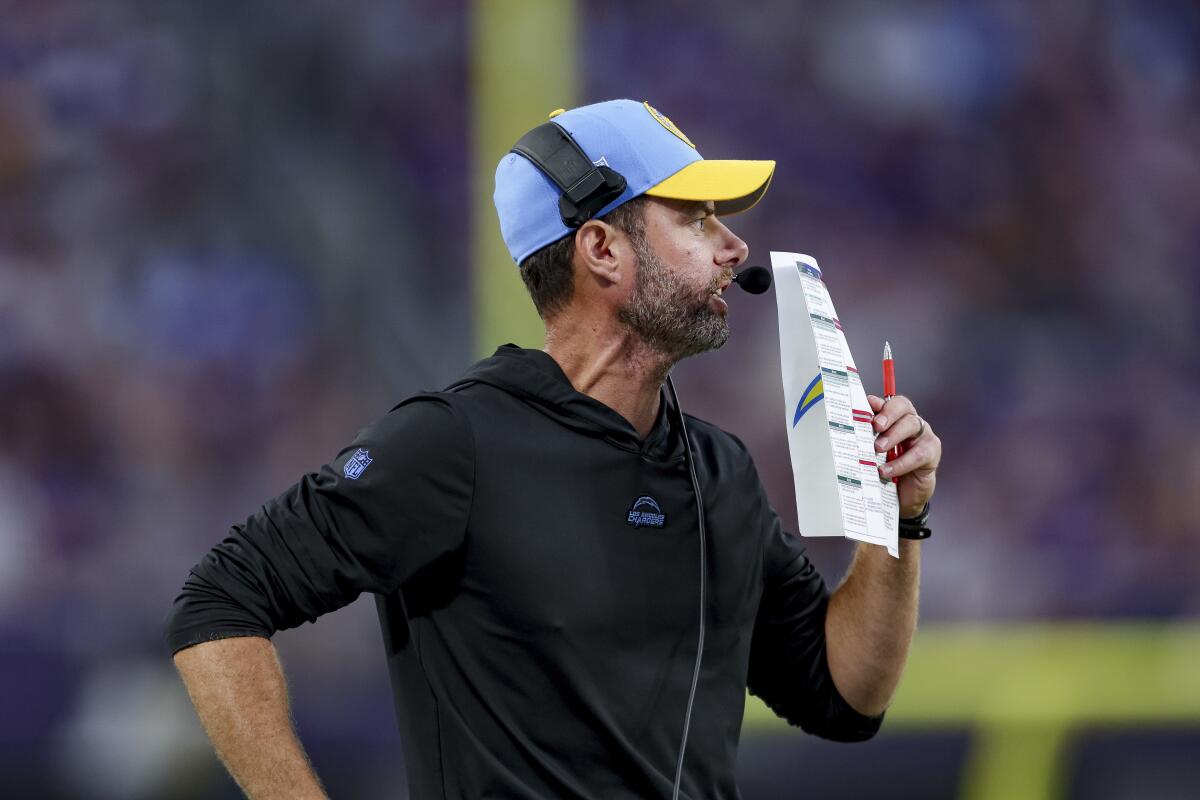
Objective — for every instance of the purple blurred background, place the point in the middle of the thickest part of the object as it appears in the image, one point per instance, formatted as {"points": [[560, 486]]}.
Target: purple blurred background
{"points": [[231, 234]]}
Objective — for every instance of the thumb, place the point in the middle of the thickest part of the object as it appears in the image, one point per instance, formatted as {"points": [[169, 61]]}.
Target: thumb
{"points": [[876, 402]]}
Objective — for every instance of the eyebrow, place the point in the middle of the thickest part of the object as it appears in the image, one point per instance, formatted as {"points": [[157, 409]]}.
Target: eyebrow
{"points": [[707, 206]]}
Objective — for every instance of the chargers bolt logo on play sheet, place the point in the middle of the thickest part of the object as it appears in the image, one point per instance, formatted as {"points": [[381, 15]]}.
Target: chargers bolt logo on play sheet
{"points": [[645, 511], [666, 123], [357, 463], [813, 394]]}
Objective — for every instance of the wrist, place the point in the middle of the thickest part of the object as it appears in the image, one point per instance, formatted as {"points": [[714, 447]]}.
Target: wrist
{"points": [[915, 525]]}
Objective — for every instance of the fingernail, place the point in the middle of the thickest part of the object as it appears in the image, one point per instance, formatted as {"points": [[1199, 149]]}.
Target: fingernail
{"points": [[886, 469], [883, 443], [881, 422]]}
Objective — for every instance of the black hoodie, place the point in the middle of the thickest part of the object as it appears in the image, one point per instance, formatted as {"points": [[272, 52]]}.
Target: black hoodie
{"points": [[536, 566]]}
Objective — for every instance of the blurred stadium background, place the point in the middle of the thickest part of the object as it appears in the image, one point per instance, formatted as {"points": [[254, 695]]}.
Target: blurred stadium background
{"points": [[233, 233]]}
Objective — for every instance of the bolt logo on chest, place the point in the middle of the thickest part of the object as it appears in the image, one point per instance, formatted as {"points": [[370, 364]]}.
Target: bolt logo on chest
{"points": [[646, 512]]}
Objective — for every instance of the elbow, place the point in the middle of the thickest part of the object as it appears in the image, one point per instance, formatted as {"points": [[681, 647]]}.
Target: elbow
{"points": [[171, 629], [184, 626], [825, 714], [868, 703], [842, 722], [202, 613], [847, 731]]}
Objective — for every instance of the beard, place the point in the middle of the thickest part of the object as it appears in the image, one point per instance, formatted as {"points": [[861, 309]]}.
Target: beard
{"points": [[669, 315]]}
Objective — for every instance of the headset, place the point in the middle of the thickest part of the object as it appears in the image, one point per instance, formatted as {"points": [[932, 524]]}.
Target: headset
{"points": [[586, 189]]}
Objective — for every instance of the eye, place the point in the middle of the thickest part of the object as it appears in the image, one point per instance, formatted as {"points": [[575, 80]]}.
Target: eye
{"points": [[699, 223]]}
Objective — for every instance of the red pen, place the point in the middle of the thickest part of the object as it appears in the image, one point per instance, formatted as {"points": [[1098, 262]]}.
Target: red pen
{"points": [[889, 391]]}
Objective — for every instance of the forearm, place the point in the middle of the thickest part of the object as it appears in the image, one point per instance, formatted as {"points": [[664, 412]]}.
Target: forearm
{"points": [[240, 694], [870, 625]]}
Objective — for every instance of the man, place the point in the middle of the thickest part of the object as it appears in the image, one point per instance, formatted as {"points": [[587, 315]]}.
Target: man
{"points": [[531, 532]]}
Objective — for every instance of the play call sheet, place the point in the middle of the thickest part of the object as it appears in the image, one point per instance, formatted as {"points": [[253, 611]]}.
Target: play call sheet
{"points": [[839, 491]]}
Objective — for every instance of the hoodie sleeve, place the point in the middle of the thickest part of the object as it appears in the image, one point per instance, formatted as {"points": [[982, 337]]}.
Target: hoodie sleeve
{"points": [[788, 666], [393, 502]]}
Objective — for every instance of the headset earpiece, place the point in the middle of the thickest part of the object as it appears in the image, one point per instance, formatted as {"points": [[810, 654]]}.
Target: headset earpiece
{"points": [[586, 187]]}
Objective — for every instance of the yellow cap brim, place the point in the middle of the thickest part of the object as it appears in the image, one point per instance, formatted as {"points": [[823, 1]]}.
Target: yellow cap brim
{"points": [[733, 186]]}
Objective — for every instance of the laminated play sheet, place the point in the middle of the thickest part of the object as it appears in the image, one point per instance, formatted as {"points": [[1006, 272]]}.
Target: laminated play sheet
{"points": [[839, 491]]}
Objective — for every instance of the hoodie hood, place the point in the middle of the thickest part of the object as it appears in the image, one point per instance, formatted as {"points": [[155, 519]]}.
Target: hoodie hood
{"points": [[536, 379]]}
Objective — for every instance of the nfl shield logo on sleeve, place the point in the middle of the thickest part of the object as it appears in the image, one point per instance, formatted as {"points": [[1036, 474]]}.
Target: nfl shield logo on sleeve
{"points": [[357, 463]]}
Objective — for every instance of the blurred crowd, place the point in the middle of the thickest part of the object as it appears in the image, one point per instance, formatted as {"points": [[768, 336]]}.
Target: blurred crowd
{"points": [[232, 234]]}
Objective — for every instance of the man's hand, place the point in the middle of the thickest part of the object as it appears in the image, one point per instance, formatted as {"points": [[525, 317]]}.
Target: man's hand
{"points": [[897, 422]]}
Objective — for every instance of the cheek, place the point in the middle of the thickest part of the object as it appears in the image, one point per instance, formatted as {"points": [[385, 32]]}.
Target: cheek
{"points": [[700, 264], [686, 254], [688, 259]]}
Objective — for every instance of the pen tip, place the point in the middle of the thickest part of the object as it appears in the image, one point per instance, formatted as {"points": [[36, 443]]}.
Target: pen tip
{"points": [[887, 350]]}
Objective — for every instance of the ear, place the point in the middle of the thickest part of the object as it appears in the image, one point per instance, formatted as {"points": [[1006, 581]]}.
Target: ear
{"points": [[603, 252]]}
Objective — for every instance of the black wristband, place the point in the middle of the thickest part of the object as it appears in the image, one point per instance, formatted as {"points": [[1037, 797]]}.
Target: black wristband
{"points": [[916, 527]]}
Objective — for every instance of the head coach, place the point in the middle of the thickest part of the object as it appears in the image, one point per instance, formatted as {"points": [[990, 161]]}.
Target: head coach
{"points": [[576, 582]]}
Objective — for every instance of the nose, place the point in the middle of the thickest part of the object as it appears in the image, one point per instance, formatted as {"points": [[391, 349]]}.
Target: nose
{"points": [[733, 250]]}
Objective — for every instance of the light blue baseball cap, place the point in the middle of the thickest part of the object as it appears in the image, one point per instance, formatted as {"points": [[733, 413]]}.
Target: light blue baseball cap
{"points": [[633, 138]]}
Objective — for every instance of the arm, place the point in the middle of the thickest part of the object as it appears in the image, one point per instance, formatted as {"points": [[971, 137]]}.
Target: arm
{"points": [[789, 663], [240, 694], [870, 624], [335, 534], [873, 614]]}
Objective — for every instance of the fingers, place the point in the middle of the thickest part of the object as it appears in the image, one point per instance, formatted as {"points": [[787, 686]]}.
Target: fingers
{"points": [[890, 411], [923, 455], [904, 429], [896, 421]]}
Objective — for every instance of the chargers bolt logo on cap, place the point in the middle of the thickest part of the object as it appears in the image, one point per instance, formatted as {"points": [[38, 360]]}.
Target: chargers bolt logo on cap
{"points": [[666, 123]]}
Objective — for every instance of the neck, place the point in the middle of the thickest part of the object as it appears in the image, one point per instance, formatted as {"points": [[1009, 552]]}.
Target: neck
{"points": [[609, 363]]}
